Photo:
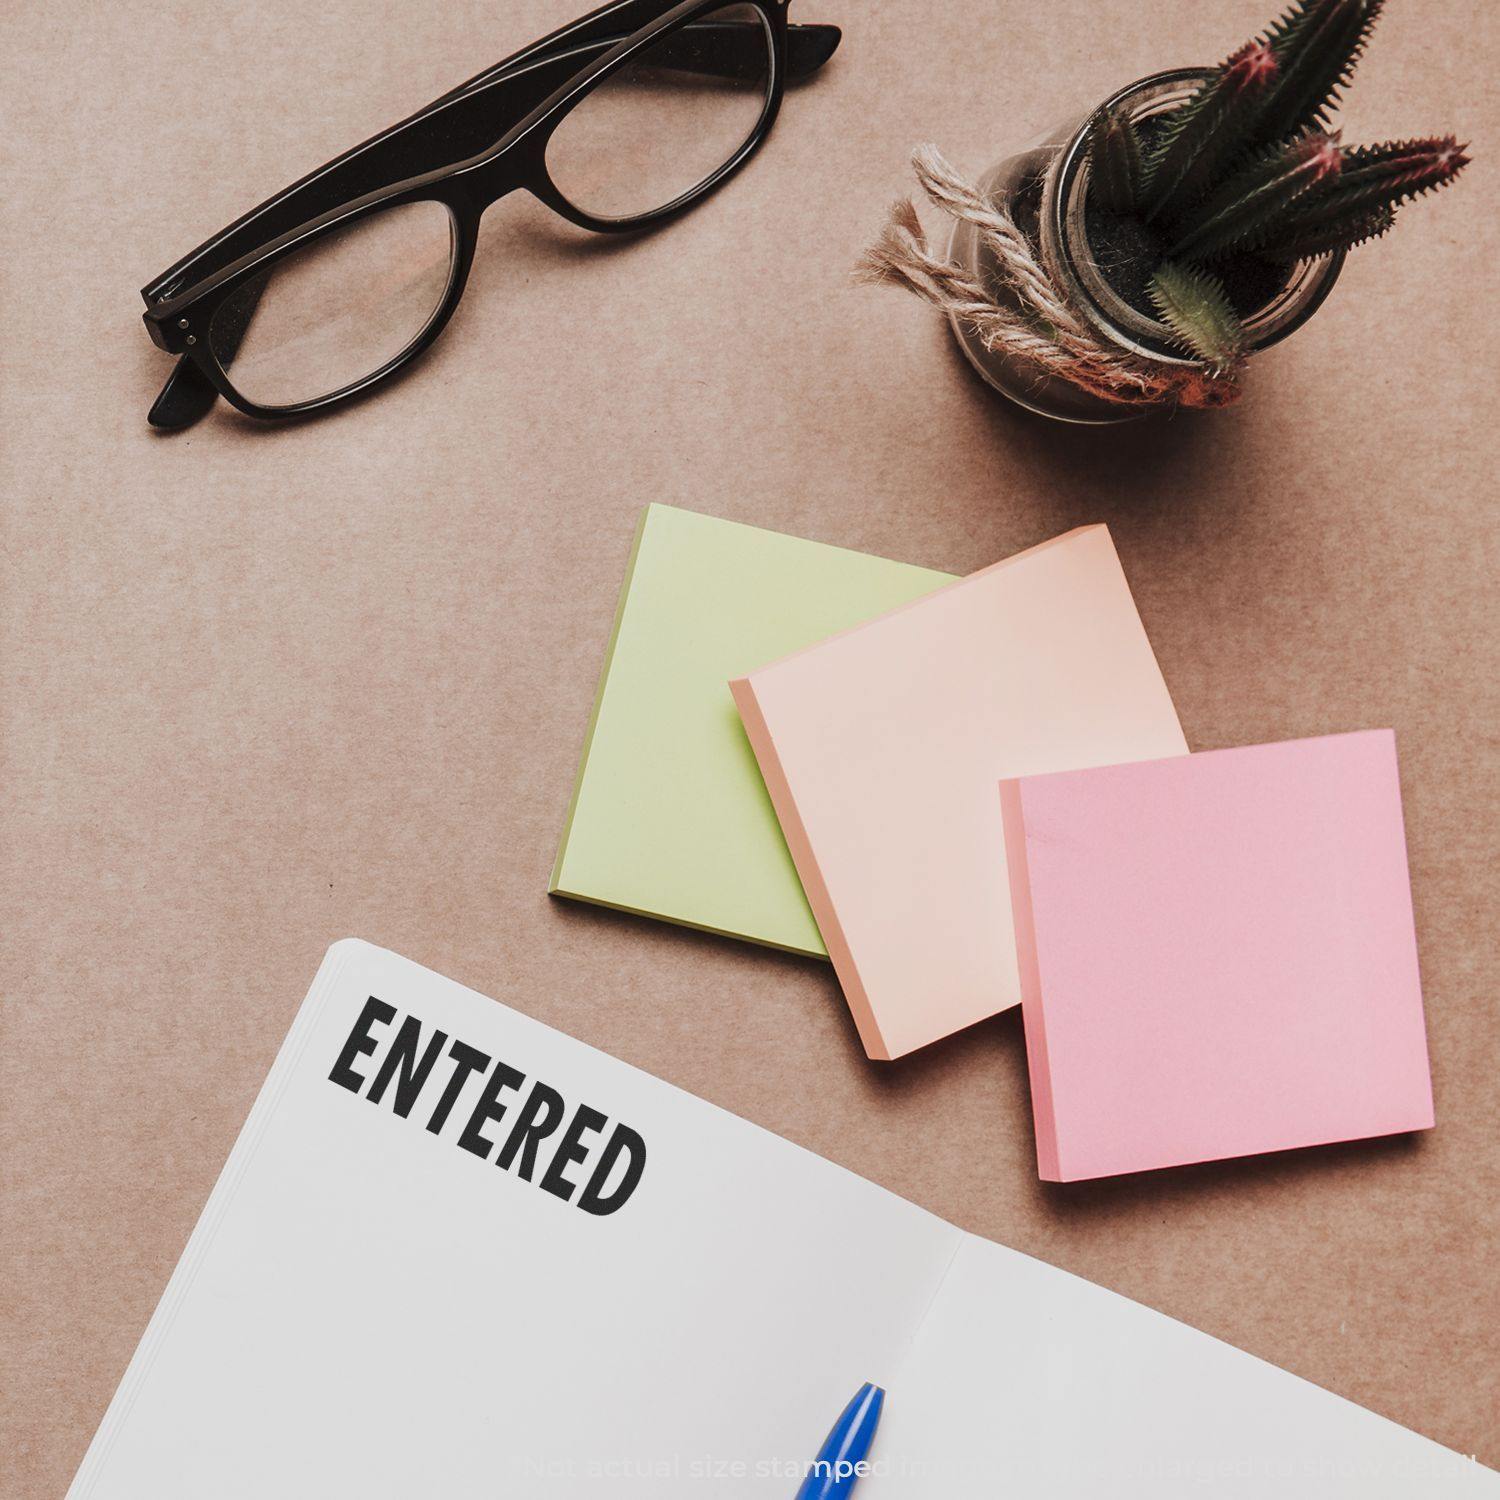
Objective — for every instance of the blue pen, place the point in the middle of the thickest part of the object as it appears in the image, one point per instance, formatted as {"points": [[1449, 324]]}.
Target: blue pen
{"points": [[835, 1471]]}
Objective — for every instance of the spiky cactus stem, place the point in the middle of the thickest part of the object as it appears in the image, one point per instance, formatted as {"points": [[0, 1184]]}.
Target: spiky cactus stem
{"points": [[1194, 305], [1115, 163], [1264, 190], [1313, 240], [1317, 45], [1376, 177], [1202, 134]]}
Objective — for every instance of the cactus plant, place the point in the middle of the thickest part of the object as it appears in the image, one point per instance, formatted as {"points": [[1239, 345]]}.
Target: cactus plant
{"points": [[1247, 170]]}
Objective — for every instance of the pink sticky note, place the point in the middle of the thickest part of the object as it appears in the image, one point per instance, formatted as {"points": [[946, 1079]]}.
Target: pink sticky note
{"points": [[1217, 955], [881, 748]]}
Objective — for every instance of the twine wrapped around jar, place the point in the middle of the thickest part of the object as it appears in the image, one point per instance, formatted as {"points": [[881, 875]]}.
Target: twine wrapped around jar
{"points": [[1039, 325]]}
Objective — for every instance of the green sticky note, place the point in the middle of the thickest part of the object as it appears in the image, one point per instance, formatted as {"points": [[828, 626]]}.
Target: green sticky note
{"points": [[669, 816]]}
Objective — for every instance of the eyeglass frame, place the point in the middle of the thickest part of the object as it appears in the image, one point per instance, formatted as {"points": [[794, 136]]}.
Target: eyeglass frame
{"points": [[180, 311]]}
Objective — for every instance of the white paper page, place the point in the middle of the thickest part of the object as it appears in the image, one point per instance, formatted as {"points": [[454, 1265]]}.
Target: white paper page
{"points": [[365, 1309], [1025, 1381]]}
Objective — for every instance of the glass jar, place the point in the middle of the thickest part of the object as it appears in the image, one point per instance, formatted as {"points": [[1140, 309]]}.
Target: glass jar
{"points": [[1044, 186]]}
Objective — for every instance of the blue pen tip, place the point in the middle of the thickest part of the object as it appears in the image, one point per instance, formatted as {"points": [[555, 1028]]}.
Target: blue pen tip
{"points": [[834, 1474]]}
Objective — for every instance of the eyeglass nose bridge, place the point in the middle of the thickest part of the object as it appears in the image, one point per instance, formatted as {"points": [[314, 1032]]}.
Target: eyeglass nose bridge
{"points": [[481, 185]]}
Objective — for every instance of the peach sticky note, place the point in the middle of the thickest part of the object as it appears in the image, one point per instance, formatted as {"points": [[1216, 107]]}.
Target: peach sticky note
{"points": [[1217, 955], [881, 748]]}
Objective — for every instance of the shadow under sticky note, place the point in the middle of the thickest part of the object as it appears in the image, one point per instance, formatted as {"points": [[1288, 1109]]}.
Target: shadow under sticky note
{"points": [[670, 817]]}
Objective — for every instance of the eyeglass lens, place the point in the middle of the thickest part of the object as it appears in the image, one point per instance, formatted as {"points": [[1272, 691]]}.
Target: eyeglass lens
{"points": [[325, 317], [669, 118]]}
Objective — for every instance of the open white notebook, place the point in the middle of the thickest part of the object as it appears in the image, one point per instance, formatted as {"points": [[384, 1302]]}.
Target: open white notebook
{"points": [[649, 1297]]}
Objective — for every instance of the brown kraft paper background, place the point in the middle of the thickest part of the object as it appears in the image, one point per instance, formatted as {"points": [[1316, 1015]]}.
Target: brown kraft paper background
{"points": [[265, 689]]}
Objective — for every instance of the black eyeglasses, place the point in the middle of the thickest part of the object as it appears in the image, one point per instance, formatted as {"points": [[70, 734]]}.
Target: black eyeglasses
{"points": [[621, 121]]}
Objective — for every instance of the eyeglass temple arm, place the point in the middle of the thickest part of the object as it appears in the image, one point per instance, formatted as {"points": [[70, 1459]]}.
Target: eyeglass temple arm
{"points": [[735, 49], [734, 55], [722, 49]]}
